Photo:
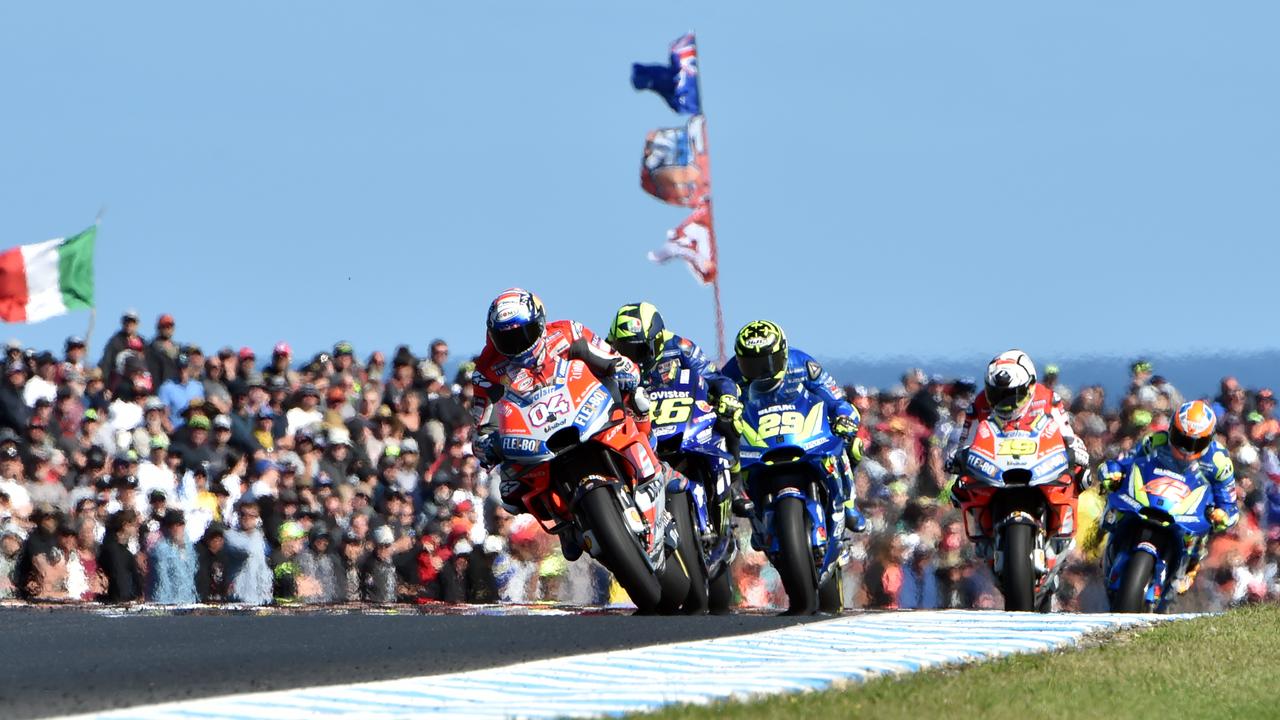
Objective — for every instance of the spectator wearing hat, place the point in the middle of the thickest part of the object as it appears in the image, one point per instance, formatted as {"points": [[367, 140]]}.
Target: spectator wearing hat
{"points": [[13, 476], [180, 389], [337, 459], [10, 559], [337, 409], [161, 352], [213, 580], [127, 411], [246, 546], [174, 563], [344, 358], [288, 585], [67, 411], [39, 553], [157, 472], [320, 571], [73, 353], [281, 356], [246, 362], [117, 562], [307, 413], [193, 439], [119, 342], [43, 382], [378, 575], [14, 411]]}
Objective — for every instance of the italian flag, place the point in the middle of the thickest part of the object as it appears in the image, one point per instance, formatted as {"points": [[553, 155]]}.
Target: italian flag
{"points": [[46, 279]]}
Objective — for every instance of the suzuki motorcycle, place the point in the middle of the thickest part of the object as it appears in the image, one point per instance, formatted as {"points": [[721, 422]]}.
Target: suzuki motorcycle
{"points": [[684, 431], [788, 456], [1156, 522], [1018, 499], [588, 469]]}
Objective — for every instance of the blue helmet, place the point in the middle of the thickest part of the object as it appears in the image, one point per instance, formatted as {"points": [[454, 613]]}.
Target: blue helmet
{"points": [[516, 324]]}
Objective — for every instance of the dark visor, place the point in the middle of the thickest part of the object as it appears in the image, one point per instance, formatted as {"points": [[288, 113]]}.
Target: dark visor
{"points": [[637, 352], [1007, 398], [515, 340], [1190, 445], [759, 367]]}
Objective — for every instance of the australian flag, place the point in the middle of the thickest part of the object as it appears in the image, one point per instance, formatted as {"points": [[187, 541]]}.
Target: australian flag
{"points": [[677, 83]]}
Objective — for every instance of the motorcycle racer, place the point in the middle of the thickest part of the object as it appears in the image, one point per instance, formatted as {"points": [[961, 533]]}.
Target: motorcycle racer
{"points": [[1011, 393], [764, 363], [1188, 446], [519, 351]]}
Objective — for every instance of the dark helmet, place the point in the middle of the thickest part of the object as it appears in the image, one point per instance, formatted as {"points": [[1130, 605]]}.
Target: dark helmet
{"points": [[761, 350], [638, 333], [516, 324]]}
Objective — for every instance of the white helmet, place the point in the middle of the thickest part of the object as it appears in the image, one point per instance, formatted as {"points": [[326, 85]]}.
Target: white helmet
{"points": [[1010, 379]]}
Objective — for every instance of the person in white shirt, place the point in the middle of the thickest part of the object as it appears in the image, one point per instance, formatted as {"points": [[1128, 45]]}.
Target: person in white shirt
{"points": [[307, 413], [41, 384], [156, 473]]}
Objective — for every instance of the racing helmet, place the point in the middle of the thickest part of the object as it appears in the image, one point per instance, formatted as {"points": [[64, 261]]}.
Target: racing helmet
{"points": [[1011, 378], [761, 351], [1191, 431], [638, 333], [516, 324]]}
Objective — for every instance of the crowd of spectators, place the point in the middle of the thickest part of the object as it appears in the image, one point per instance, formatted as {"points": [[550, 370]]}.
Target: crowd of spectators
{"points": [[165, 474]]}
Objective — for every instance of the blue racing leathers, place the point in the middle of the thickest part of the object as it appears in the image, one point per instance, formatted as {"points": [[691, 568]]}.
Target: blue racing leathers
{"points": [[803, 370], [680, 353], [1214, 466]]}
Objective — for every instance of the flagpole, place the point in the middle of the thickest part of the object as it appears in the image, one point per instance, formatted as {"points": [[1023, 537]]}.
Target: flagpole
{"points": [[92, 311], [711, 221]]}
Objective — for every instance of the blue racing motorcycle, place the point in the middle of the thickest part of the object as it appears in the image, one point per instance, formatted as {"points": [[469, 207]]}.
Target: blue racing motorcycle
{"points": [[790, 457], [685, 436], [1156, 522]]}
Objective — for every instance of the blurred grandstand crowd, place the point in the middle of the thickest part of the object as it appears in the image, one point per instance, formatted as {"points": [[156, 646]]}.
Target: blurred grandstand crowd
{"points": [[165, 474]]}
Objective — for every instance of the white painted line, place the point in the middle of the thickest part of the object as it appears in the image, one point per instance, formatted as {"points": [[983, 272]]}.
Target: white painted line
{"points": [[805, 657]]}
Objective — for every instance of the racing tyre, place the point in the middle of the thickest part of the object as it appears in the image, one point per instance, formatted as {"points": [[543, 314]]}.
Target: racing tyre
{"points": [[620, 551], [720, 593], [1132, 595], [695, 600], [1018, 579], [795, 558]]}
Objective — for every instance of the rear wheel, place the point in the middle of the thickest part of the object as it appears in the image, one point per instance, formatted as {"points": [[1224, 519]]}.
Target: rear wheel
{"points": [[1132, 595], [619, 550], [690, 547], [1018, 578], [795, 557]]}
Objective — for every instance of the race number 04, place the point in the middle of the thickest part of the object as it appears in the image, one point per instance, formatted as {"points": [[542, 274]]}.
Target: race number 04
{"points": [[546, 410]]}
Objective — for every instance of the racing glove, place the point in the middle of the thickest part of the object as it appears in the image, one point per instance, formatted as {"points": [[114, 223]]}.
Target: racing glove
{"points": [[956, 463], [641, 402], [729, 408], [485, 447], [1079, 454], [845, 426], [1219, 520]]}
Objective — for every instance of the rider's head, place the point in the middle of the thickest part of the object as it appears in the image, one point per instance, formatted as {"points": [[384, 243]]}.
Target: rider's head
{"points": [[1192, 430], [1011, 377], [638, 333], [516, 324], [761, 351]]}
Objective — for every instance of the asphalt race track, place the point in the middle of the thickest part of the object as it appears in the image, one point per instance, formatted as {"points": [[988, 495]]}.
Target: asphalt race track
{"points": [[65, 661]]}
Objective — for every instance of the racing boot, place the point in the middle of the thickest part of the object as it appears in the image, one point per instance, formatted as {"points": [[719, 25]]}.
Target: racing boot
{"points": [[569, 546], [853, 518], [741, 505], [1184, 583]]}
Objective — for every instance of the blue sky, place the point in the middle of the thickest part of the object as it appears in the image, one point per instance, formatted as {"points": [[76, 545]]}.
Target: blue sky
{"points": [[925, 178]]}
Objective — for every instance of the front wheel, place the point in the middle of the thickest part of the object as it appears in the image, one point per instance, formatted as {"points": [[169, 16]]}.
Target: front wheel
{"points": [[795, 557], [1017, 576], [619, 550], [1132, 595], [690, 549]]}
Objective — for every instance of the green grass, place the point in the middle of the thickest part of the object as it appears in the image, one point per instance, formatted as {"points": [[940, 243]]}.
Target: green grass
{"points": [[1212, 667]]}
